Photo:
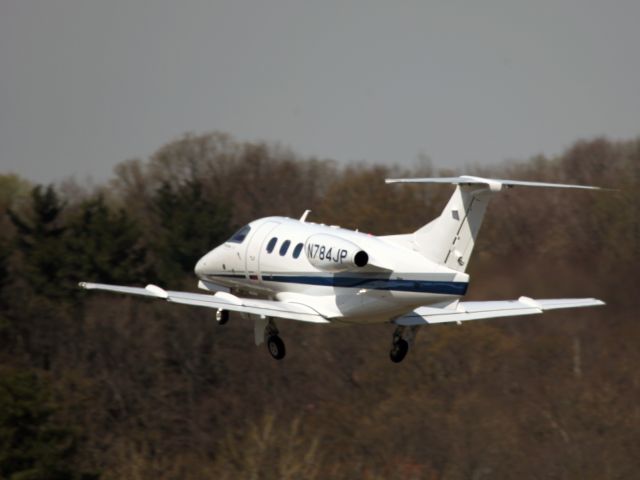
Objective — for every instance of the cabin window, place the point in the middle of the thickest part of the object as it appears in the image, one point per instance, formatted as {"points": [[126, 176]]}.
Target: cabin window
{"points": [[284, 247], [240, 235], [271, 245], [297, 250]]}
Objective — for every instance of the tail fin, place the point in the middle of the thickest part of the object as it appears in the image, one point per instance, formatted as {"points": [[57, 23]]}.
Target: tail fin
{"points": [[449, 239]]}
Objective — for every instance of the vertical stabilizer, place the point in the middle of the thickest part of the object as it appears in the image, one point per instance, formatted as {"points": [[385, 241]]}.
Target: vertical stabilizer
{"points": [[449, 239]]}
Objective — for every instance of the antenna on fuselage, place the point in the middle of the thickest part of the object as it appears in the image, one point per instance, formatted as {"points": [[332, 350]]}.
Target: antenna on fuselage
{"points": [[303, 218]]}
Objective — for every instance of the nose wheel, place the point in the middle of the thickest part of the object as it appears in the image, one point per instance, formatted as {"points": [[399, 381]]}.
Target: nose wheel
{"points": [[222, 316], [275, 345]]}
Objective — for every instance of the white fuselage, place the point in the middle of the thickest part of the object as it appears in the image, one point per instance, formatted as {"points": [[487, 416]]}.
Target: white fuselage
{"points": [[314, 265]]}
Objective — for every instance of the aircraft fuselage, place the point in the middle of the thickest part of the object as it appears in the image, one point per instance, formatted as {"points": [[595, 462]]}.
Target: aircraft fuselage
{"points": [[352, 276]]}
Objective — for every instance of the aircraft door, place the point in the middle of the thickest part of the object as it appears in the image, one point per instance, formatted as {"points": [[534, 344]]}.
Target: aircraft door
{"points": [[255, 246]]}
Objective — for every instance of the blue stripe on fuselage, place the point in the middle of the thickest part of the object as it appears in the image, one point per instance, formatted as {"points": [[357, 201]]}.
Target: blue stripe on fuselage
{"points": [[422, 286]]}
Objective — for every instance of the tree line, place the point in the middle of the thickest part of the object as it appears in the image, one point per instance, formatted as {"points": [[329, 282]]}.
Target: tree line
{"points": [[104, 386]]}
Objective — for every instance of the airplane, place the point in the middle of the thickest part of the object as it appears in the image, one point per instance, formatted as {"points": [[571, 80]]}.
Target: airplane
{"points": [[284, 268]]}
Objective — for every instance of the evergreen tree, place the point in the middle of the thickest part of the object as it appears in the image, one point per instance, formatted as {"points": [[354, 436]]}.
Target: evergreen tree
{"points": [[40, 239], [190, 225], [104, 246]]}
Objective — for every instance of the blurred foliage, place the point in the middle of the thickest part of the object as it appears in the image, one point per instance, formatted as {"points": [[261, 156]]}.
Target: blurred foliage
{"points": [[32, 445], [157, 391]]}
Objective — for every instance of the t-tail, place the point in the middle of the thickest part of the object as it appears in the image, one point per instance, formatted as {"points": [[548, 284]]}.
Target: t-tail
{"points": [[449, 239]]}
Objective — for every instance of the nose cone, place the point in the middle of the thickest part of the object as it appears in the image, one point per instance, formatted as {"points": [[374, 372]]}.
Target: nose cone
{"points": [[209, 264], [201, 266]]}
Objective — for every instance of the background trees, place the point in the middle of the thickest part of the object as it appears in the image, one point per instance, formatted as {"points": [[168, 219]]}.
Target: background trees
{"points": [[32, 445], [155, 390], [189, 224]]}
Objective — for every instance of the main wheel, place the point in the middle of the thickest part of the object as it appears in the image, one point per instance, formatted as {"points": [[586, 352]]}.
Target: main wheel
{"points": [[275, 345], [399, 350], [222, 316]]}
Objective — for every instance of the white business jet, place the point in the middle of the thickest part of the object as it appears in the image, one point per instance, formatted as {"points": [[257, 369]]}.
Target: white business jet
{"points": [[283, 268]]}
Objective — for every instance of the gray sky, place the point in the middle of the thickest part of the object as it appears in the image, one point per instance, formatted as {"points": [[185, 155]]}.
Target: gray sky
{"points": [[87, 84]]}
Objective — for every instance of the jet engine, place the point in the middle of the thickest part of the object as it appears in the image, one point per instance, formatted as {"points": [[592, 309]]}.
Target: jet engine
{"points": [[334, 254]]}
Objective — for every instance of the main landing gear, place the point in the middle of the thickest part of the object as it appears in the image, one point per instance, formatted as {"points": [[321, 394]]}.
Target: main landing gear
{"points": [[402, 338], [399, 350], [275, 345], [265, 330]]}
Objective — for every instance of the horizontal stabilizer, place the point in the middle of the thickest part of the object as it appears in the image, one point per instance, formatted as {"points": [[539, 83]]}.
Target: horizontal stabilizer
{"points": [[465, 311], [493, 183]]}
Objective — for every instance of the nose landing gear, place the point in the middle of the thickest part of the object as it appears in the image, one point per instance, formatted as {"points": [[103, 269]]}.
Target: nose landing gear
{"points": [[222, 316]]}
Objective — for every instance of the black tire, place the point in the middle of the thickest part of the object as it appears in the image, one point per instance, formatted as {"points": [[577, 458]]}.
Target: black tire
{"points": [[222, 316], [275, 345], [399, 350]]}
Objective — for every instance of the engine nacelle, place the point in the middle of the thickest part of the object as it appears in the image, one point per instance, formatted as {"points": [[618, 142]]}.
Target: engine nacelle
{"points": [[334, 254]]}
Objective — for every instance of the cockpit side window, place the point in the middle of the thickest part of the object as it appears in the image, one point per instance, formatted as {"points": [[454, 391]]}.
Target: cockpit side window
{"points": [[271, 245], [240, 235], [284, 247]]}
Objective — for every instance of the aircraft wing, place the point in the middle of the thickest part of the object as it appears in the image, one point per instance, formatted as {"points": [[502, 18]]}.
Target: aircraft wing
{"points": [[465, 311], [220, 300]]}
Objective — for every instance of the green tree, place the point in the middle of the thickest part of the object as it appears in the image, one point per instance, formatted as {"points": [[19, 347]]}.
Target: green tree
{"points": [[103, 245], [40, 239], [190, 224]]}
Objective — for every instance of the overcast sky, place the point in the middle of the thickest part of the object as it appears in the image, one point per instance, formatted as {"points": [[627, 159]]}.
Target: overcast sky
{"points": [[87, 84]]}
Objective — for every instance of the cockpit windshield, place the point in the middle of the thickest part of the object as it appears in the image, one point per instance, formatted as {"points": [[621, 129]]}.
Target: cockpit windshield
{"points": [[240, 235]]}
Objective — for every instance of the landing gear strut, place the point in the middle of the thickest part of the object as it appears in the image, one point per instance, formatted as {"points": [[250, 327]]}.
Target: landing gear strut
{"points": [[402, 338]]}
